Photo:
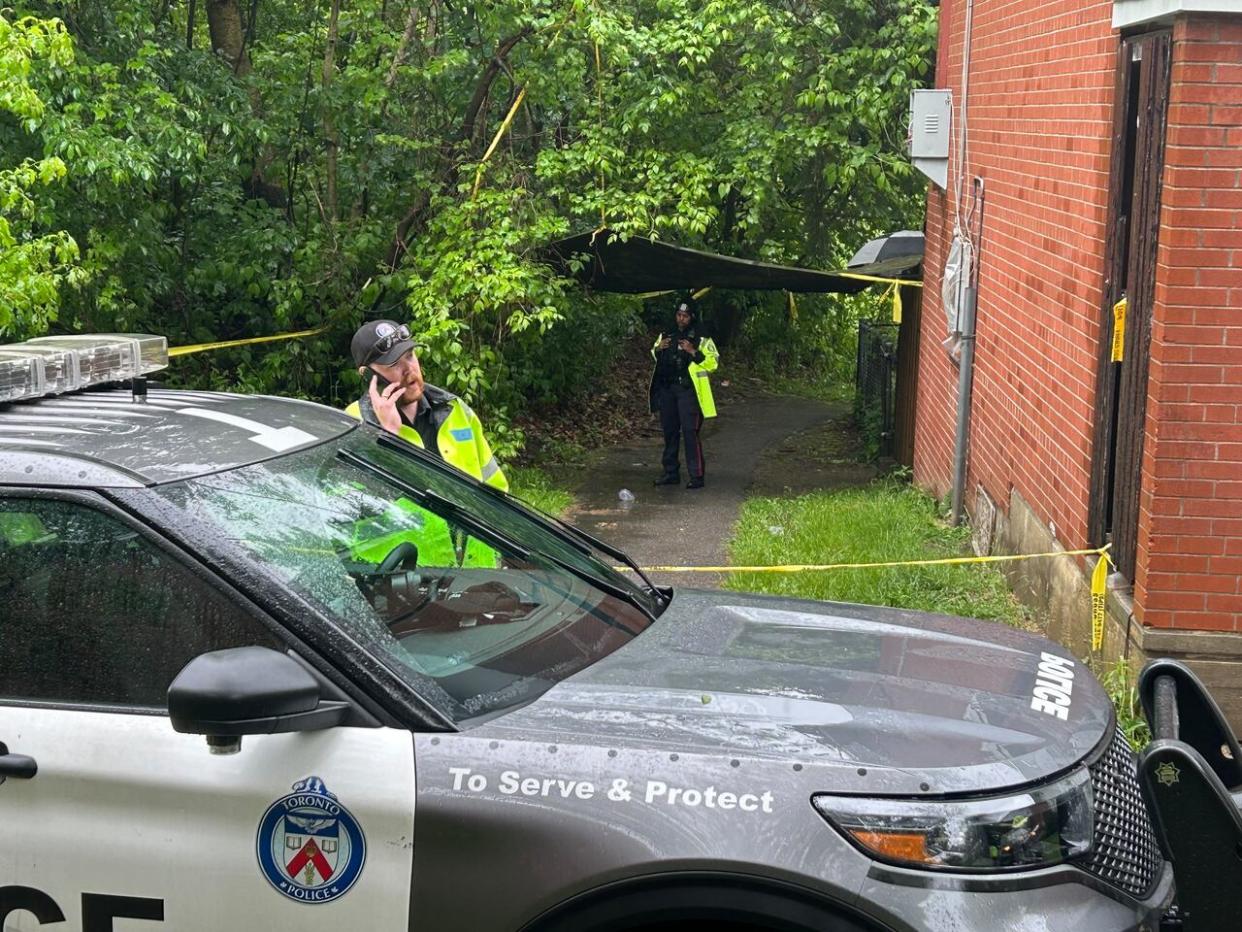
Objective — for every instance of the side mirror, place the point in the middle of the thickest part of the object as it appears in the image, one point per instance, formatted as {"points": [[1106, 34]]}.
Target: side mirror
{"points": [[225, 694]]}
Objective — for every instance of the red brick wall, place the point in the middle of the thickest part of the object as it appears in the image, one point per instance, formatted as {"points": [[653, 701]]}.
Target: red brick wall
{"points": [[1040, 121], [1190, 521]]}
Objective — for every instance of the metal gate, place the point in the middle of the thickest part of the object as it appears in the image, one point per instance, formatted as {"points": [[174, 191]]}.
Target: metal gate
{"points": [[875, 386]]}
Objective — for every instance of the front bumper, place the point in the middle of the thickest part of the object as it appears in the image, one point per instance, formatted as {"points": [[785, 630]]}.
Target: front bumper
{"points": [[1052, 900]]}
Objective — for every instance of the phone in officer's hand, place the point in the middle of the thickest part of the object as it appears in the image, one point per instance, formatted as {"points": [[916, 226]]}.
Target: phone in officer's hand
{"points": [[378, 380]]}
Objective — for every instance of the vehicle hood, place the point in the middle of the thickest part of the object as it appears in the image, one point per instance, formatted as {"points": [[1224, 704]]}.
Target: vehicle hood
{"points": [[888, 700]]}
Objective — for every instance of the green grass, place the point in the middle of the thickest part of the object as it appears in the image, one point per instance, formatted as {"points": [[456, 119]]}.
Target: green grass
{"points": [[536, 487], [819, 388], [1120, 683], [887, 520]]}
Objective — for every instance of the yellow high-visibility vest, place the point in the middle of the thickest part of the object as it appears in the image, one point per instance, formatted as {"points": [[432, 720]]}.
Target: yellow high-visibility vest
{"points": [[699, 374], [460, 441]]}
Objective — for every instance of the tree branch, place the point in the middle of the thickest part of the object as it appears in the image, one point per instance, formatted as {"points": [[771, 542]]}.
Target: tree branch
{"points": [[483, 88], [399, 244]]}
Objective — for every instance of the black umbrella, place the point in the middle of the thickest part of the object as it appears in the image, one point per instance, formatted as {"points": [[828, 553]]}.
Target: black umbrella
{"points": [[892, 254]]}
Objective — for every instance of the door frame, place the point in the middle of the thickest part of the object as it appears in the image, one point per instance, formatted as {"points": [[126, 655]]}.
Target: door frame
{"points": [[1140, 112]]}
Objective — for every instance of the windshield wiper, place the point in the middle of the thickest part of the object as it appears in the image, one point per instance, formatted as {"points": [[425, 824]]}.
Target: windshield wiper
{"points": [[627, 596], [616, 553], [579, 539]]}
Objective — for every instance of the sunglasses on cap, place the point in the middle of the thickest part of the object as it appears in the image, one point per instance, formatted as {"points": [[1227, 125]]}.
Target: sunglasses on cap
{"points": [[387, 341]]}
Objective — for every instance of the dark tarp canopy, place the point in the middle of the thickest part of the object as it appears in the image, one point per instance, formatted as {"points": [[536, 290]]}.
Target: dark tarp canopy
{"points": [[639, 265]]}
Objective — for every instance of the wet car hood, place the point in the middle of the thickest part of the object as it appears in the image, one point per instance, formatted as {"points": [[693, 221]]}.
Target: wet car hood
{"points": [[914, 702]]}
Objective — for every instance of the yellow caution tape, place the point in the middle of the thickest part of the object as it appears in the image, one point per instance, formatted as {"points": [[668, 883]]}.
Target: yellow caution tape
{"points": [[500, 134], [660, 294], [895, 282], [913, 283], [248, 341], [805, 567], [1099, 592], [1099, 576], [1119, 330]]}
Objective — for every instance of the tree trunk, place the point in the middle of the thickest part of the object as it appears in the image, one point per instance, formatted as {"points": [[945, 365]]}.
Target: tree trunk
{"points": [[228, 38], [403, 49], [329, 124]]}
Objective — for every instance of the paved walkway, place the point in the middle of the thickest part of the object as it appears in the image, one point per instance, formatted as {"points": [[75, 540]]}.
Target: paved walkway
{"points": [[674, 525]]}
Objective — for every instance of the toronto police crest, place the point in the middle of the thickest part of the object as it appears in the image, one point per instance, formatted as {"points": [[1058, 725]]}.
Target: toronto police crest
{"points": [[310, 847]]}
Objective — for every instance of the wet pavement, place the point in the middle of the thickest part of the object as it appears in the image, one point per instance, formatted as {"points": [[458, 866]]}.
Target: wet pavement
{"points": [[752, 446]]}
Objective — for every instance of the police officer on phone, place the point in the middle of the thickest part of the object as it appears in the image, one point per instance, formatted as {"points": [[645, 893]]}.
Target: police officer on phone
{"points": [[681, 392], [398, 400]]}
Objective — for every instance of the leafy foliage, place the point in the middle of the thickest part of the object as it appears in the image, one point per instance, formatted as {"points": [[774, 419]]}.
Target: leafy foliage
{"points": [[34, 261], [229, 168]]}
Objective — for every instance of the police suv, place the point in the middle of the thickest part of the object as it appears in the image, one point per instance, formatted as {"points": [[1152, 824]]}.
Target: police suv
{"points": [[265, 667]]}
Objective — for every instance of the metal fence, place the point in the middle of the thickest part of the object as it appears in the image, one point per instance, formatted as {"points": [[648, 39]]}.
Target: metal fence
{"points": [[875, 386]]}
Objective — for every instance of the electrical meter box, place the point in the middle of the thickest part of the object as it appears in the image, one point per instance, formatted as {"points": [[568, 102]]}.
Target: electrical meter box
{"points": [[930, 115]]}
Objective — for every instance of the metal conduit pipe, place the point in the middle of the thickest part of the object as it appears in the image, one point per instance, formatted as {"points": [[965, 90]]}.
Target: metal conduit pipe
{"points": [[965, 380], [966, 359]]}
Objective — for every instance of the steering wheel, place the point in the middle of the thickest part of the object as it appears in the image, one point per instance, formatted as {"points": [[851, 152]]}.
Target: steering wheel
{"points": [[404, 556]]}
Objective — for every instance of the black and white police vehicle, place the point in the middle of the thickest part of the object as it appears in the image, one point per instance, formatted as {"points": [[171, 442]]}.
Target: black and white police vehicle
{"points": [[426, 707]]}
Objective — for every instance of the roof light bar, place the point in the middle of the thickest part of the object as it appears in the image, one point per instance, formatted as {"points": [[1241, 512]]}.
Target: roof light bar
{"points": [[60, 366], [52, 365], [111, 357], [152, 350], [20, 376]]}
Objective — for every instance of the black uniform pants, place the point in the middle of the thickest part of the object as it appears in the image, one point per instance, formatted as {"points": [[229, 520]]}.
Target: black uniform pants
{"points": [[681, 418]]}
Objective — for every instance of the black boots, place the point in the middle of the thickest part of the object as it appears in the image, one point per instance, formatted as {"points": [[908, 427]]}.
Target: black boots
{"points": [[671, 478]]}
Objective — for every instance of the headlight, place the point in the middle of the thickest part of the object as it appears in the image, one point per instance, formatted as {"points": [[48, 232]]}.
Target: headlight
{"points": [[1036, 828]]}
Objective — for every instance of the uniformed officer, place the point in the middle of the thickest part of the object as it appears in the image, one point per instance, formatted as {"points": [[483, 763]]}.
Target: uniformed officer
{"points": [[681, 392], [398, 400]]}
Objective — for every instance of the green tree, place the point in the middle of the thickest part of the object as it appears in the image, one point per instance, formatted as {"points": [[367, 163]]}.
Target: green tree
{"points": [[244, 168], [34, 260]]}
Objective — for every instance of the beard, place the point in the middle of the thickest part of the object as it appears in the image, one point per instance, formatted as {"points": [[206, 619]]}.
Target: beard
{"points": [[412, 393]]}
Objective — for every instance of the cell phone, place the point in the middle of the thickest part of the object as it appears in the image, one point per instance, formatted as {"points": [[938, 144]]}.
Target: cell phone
{"points": [[381, 383]]}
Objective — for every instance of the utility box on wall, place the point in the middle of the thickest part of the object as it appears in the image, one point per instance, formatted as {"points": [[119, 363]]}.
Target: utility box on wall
{"points": [[930, 115]]}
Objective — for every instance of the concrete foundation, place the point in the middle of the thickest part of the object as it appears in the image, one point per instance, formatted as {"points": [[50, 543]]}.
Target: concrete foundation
{"points": [[1058, 590]]}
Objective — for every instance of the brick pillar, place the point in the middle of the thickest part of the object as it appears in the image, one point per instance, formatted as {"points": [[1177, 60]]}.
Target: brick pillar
{"points": [[1189, 568]]}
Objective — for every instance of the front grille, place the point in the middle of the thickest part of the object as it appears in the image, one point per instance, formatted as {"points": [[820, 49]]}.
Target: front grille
{"points": [[1125, 853]]}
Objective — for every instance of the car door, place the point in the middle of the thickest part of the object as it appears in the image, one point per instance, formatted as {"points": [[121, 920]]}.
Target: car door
{"points": [[111, 820]]}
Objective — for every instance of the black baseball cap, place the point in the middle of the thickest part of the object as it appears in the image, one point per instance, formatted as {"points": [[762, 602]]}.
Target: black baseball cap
{"points": [[381, 341]]}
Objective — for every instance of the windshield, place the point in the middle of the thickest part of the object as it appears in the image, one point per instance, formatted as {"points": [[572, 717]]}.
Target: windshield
{"points": [[450, 585]]}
